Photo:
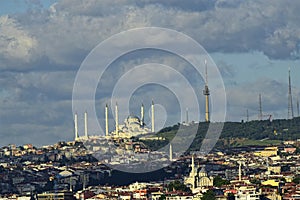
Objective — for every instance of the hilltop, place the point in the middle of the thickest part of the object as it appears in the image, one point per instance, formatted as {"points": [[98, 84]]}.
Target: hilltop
{"points": [[262, 132]]}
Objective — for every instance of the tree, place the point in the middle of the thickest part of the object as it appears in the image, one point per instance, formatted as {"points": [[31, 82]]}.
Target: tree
{"points": [[296, 180], [231, 196], [218, 181], [177, 185], [297, 150], [255, 181], [162, 197], [209, 195]]}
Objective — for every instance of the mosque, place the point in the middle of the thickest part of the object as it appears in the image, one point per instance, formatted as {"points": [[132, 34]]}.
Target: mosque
{"points": [[198, 178], [133, 125]]}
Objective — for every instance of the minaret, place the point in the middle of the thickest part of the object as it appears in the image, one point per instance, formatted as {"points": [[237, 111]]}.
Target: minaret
{"points": [[117, 120], [71, 185], [85, 125], [142, 115], [76, 126], [206, 93], [171, 153], [290, 99], [193, 165], [187, 116], [240, 171], [106, 120], [152, 117], [193, 172]]}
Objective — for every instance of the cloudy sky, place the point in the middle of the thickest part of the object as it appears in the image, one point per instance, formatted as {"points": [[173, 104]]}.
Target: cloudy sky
{"points": [[43, 44]]}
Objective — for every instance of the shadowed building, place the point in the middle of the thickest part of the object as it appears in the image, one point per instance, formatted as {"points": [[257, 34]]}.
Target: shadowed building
{"points": [[61, 195]]}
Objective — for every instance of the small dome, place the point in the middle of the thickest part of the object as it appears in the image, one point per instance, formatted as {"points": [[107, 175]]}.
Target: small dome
{"points": [[65, 173]]}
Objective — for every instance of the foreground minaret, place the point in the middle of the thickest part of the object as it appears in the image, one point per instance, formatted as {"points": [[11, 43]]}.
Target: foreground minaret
{"points": [[193, 172], [206, 93], [106, 120], [142, 115], [171, 153], [76, 126], [117, 120], [152, 117], [193, 176], [85, 124], [193, 164], [240, 171]]}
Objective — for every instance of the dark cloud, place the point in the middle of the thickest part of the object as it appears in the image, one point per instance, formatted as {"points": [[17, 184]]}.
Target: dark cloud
{"points": [[70, 29]]}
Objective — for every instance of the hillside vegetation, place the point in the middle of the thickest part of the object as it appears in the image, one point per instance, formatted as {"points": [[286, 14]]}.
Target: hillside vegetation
{"points": [[263, 132]]}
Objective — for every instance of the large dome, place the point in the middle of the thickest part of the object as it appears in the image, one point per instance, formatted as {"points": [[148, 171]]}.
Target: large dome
{"points": [[133, 119]]}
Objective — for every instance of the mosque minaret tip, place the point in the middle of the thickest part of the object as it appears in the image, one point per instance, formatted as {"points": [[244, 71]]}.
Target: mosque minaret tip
{"points": [[171, 153], [86, 124], [76, 126], [117, 119], [152, 117], [142, 115], [106, 120]]}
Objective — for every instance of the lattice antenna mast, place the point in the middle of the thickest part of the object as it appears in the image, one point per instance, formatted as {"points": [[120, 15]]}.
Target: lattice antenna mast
{"points": [[298, 106], [260, 114], [290, 99]]}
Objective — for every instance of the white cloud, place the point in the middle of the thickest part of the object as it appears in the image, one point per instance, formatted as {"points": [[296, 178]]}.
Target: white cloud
{"points": [[16, 44], [70, 29]]}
